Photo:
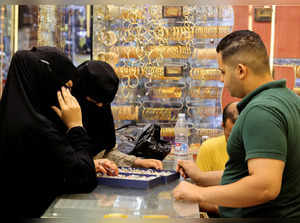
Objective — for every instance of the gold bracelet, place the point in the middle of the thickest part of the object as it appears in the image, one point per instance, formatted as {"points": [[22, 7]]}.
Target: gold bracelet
{"points": [[124, 95], [163, 114], [205, 74], [167, 132], [132, 85], [167, 92], [125, 112], [204, 92]]}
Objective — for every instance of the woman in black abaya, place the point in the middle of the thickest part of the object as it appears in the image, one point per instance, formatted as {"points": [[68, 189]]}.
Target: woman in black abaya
{"points": [[95, 90], [38, 160]]}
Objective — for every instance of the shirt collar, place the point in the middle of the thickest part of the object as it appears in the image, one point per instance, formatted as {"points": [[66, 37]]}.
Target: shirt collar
{"points": [[273, 84]]}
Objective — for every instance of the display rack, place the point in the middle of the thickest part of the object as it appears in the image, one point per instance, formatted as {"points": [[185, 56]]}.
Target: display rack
{"points": [[165, 58]]}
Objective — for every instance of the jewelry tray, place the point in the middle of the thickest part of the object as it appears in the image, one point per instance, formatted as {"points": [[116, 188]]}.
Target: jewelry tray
{"points": [[166, 176], [116, 181], [156, 177]]}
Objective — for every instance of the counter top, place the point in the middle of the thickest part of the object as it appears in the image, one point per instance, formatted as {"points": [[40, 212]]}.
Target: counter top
{"points": [[177, 220], [133, 203]]}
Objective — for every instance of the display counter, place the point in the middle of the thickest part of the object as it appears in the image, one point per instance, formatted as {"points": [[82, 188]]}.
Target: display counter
{"points": [[106, 201], [155, 205]]}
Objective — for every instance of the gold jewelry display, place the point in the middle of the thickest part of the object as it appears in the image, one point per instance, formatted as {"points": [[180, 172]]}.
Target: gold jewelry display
{"points": [[166, 92], [133, 82], [205, 92], [163, 114], [70, 14], [210, 132], [131, 73], [152, 72], [167, 132], [108, 38], [156, 73], [109, 57], [203, 111], [46, 23], [148, 45], [124, 72], [125, 94], [224, 12], [155, 12], [161, 34], [206, 53], [110, 12], [125, 112], [180, 33], [169, 51], [132, 14], [210, 32], [223, 31], [127, 51], [205, 74]]}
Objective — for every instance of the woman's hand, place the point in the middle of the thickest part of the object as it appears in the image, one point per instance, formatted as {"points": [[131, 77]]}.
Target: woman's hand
{"points": [[69, 111], [106, 166], [148, 163]]}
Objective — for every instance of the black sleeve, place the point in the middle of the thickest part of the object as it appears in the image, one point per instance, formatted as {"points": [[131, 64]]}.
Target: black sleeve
{"points": [[78, 138], [73, 162]]}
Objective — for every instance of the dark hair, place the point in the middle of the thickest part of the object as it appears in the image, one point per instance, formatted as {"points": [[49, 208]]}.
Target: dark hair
{"points": [[231, 114], [245, 41]]}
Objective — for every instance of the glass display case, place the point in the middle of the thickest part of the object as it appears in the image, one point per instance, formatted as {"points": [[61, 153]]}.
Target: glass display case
{"points": [[163, 53], [165, 58], [65, 27], [7, 21]]}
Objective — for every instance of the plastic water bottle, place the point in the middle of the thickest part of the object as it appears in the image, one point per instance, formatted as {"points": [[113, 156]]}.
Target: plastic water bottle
{"points": [[181, 136]]}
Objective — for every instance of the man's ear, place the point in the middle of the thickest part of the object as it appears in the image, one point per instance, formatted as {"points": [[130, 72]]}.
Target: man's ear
{"points": [[242, 71], [223, 125]]}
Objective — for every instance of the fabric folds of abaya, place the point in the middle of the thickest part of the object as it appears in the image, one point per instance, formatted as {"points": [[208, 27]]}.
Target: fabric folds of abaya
{"points": [[98, 81], [38, 161]]}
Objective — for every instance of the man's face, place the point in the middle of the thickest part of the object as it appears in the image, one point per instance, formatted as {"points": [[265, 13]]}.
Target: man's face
{"points": [[229, 77], [227, 128]]}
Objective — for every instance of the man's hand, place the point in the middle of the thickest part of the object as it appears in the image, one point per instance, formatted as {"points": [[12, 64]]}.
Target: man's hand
{"points": [[186, 191], [188, 168], [209, 208], [106, 166], [69, 111], [148, 163]]}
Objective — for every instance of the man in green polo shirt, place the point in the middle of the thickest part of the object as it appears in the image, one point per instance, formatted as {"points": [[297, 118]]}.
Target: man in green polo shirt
{"points": [[262, 175]]}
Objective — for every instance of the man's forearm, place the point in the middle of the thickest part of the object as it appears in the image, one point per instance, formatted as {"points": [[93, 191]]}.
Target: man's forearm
{"points": [[209, 178], [246, 192]]}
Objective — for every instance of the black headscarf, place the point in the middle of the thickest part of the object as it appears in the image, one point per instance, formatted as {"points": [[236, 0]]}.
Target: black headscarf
{"points": [[37, 161], [99, 81], [34, 77]]}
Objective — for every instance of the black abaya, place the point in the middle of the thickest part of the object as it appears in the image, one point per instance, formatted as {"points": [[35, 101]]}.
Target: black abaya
{"points": [[39, 161]]}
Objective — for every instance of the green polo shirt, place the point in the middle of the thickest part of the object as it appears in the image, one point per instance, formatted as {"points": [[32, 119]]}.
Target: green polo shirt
{"points": [[268, 127]]}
